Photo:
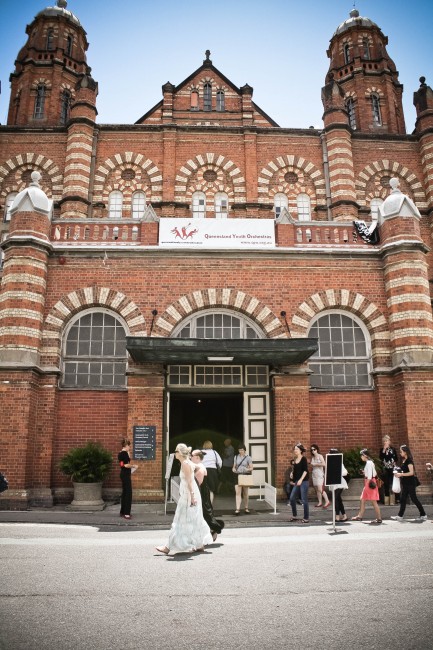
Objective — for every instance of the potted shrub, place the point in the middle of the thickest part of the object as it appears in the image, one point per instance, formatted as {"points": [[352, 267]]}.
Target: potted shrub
{"points": [[87, 466]]}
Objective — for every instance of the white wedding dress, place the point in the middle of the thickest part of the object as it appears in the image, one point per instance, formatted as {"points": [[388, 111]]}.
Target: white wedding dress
{"points": [[189, 531]]}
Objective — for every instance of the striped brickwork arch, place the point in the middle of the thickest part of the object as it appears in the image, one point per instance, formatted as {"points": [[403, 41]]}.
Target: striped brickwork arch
{"points": [[110, 176], [76, 301], [310, 180], [190, 178], [354, 303], [204, 299], [12, 170], [368, 182]]}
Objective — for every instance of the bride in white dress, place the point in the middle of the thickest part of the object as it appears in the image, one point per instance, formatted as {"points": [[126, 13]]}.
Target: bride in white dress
{"points": [[189, 531]]}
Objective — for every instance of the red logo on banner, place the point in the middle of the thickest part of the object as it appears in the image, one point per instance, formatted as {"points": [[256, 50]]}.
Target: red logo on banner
{"points": [[183, 233]]}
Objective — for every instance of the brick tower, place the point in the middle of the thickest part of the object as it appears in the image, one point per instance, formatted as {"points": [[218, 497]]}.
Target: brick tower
{"points": [[367, 75], [48, 68]]}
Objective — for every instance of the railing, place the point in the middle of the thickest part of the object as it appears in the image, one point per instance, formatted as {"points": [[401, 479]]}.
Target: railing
{"points": [[269, 495], [96, 232], [330, 234]]}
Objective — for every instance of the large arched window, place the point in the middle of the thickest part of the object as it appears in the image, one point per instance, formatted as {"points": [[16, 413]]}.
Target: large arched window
{"points": [[115, 204], [346, 51], [199, 205], [375, 107], [343, 359], [69, 43], [138, 205], [207, 97], [50, 39], [8, 204], [303, 204], [350, 108], [217, 324], [39, 109], [94, 352], [366, 49], [280, 202], [221, 205]]}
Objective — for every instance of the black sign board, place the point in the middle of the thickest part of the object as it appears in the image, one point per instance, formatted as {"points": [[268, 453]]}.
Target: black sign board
{"points": [[144, 442], [334, 469]]}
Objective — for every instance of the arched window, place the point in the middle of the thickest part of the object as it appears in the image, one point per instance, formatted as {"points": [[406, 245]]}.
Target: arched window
{"points": [[94, 352], [115, 204], [220, 101], [221, 205], [346, 51], [280, 202], [207, 97], [350, 108], [65, 106], [199, 204], [50, 39], [366, 49], [41, 92], [217, 324], [303, 204], [194, 100], [69, 43], [8, 204], [375, 106], [374, 208], [138, 205], [343, 359]]}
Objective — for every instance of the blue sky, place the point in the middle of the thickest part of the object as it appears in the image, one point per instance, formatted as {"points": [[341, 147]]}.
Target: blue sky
{"points": [[278, 47]]}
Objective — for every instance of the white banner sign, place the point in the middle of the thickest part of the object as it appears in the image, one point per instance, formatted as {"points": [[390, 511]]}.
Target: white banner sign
{"points": [[217, 233]]}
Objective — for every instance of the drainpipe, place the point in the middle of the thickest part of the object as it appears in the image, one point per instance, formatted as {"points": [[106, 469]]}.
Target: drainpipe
{"points": [[326, 173], [92, 170]]}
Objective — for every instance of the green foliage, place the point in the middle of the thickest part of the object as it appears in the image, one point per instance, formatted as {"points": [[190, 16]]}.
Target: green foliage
{"points": [[353, 463], [88, 464]]}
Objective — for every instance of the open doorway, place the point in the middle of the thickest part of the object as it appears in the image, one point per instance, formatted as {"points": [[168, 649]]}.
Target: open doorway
{"points": [[197, 417]]}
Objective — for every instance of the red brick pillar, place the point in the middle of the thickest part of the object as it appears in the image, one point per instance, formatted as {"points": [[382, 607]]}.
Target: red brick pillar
{"points": [[292, 417], [146, 407], [410, 322]]}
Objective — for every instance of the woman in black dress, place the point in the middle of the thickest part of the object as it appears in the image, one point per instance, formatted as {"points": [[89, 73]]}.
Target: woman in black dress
{"points": [[300, 483], [388, 457], [200, 474], [125, 477], [409, 483]]}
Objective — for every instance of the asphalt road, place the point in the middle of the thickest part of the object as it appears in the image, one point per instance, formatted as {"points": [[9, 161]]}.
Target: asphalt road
{"points": [[79, 587]]}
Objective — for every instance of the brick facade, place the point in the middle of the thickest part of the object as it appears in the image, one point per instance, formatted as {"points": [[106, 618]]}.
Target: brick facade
{"points": [[208, 136]]}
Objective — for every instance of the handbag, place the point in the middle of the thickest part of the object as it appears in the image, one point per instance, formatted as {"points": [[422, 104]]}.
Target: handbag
{"points": [[372, 484], [417, 482], [396, 485], [379, 482], [4, 485], [246, 480]]}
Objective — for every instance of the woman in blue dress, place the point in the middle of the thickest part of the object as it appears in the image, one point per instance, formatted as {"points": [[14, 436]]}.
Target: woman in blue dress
{"points": [[189, 531]]}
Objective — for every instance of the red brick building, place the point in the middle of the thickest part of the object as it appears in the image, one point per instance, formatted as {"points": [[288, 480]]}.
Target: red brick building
{"points": [[200, 273]]}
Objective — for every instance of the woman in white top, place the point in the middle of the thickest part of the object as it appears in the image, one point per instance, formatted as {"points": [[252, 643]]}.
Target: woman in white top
{"points": [[369, 493], [318, 476], [243, 464]]}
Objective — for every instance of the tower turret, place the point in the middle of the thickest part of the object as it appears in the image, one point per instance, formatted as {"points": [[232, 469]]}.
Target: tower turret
{"points": [[361, 65], [47, 69]]}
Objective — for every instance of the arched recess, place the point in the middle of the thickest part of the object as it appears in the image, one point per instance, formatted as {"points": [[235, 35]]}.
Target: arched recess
{"points": [[291, 175], [76, 301], [369, 182], [350, 301], [223, 176], [12, 170], [142, 174], [228, 298]]}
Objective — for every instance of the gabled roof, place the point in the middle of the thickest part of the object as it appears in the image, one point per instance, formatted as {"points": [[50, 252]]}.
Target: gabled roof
{"points": [[206, 67]]}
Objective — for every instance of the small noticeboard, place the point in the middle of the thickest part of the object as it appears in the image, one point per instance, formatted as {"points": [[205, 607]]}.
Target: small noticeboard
{"points": [[144, 442], [334, 469]]}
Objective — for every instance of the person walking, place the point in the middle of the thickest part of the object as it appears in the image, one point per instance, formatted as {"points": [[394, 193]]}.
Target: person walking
{"points": [[228, 454], [300, 480], [370, 491], [409, 482], [189, 532], [243, 464], [340, 513], [318, 477], [216, 525], [213, 463], [388, 457], [125, 476]]}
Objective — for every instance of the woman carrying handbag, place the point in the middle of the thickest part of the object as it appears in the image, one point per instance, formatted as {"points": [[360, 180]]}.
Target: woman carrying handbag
{"points": [[242, 466], [409, 482], [370, 491]]}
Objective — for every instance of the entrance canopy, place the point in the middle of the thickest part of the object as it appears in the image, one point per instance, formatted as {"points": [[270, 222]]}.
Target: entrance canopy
{"points": [[275, 352]]}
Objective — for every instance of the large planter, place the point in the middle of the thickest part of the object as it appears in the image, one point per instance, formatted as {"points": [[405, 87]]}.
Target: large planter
{"points": [[87, 496], [353, 493]]}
